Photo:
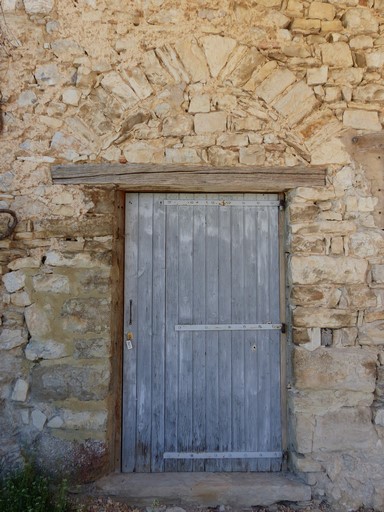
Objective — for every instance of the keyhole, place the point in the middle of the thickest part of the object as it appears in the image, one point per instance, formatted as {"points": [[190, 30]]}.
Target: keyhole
{"points": [[253, 348]]}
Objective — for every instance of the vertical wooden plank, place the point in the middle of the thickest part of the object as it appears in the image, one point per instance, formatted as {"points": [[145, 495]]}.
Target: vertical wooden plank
{"points": [[225, 352], [198, 338], [130, 356], [158, 342], [144, 334], [212, 338], [238, 382], [185, 338], [171, 336]]}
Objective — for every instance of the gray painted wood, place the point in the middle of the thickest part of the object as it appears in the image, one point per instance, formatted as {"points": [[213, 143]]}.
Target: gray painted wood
{"points": [[201, 391]]}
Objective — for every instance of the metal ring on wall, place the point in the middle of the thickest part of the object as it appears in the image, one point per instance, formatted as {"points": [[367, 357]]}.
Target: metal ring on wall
{"points": [[11, 225]]}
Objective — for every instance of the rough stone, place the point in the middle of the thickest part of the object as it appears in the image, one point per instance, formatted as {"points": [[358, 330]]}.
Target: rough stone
{"points": [[193, 59], [217, 50], [155, 73], [228, 140], [38, 6], [38, 320], [20, 391], [305, 26], [14, 281], [138, 82], [78, 260], [71, 96], [336, 55], [275, 84], [378, 273], [21, 299], [66, 49], [169, 58], [38, 419], [370, 92], [88, 420], [143, 152], [375, 60], [85, 315], [328, 269], [360, 21], [182, 156], [47, 74], [316, 76], [46, 349], [322, 317], [252, 155], [210, 123], [222, 157], [59, 382], [200, 103], [321, 11], [51, 283], [328, 296], [331, 152], [91, 348], [361, 42], [362, 120], [247, 65], [179, 125], [349, 369], [12, 338], [297, 103], [114, 84]]}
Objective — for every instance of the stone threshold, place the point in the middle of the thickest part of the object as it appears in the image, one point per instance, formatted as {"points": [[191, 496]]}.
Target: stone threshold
{"points": [[237, 490]]}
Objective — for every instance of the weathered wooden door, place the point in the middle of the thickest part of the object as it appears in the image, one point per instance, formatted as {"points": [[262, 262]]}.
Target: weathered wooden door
{"points": [[202, 351]]}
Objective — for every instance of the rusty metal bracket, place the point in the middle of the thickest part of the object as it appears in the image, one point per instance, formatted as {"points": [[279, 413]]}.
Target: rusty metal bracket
{"points": [[11, 225]]}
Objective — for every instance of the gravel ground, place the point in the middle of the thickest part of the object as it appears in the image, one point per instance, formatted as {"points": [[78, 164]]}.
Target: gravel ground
{"points": [[108, 505]]}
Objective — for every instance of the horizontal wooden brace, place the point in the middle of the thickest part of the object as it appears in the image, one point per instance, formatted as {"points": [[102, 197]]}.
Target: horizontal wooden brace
{"points": [[222, 455], [176, 178], [229, 327]]}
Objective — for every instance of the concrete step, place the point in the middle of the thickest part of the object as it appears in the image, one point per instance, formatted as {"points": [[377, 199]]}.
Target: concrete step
{"points": [[239, 490]]}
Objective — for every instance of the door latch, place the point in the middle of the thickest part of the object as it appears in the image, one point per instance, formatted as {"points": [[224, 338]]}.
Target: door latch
{"points": [[128, 341]]}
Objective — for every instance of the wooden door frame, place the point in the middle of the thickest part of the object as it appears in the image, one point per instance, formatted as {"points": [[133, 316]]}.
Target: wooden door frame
{"points": [[117, 325]]}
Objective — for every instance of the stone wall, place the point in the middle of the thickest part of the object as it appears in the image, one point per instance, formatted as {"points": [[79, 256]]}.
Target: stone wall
{"points": [[237, 83]]}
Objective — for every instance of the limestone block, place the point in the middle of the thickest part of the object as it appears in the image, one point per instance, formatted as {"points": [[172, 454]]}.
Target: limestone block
{"points": [[60, 382], [351, 76], [55, 422], [138, 82], [77, 260], [297, 103], [248, 124], [86, 315], [193, 59], [217, 51], [379, 417], [337, 245], [378, 273], [142, 152], [38, 6], [211, 122], [232, 140], [71, 96], [247, 65], [26, 99], [21, 299], [366, 243], [362, 120], [345, 337], [20, 391], [12, 338], [336, 55], [344, 430], [304, 425], [39, 419], [200, 103], [66, 49], [333, 227], [51, 283], [87, 420], [14, 281], [269, 3], [154, 71], [315, 194], [182, 156], [328, 269], [331, 26], [305, 26], [321, 11], [38, 320], [296, 50], [47, 74], [198, 141], [316, 76], [179, 125], [322, 317], [9, 5], [172, 64], [222, 157], [275, 84], [328, 296], [361, 42], [45, 349], [331, 152], [308, 245], [91, 348], [252, 155], [369, 92], [375, 60], [360, 21], [348, 369], [372, 334], [114, 84]]}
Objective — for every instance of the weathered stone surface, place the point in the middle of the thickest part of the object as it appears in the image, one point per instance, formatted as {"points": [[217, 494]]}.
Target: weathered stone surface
{"points": [[84, 315], [38, 319], [305, 26], [308, 245], [370, 92], [217, 50], [179, 125], [345, 337], [59, 382], [322, 317], [349, 369], [378, 273], [88, 420], [321, 11], [331, 152], [169, 58], [156, 74], [228, 140], [20, 391], [362, 120], [66, 49], [38, 419], [12, 338], [114, 84], [372, 334], [182, 156], [366, 243], [222, 157], [333, 227], [336, 55], [297, 103], [14, 281], [328, 296], [361, 42], [38, 6], [316, 76], [193, 59], [143, 152], [360, 21], [21, 299], [200, 103], [46, 349], [275, 84], [328, 269], [252, 155], [247, 65], [71, 96], [138, 82], [210, 123], [79, 260], [52, 283], [47, 74], [91, 348], [375, 60]]}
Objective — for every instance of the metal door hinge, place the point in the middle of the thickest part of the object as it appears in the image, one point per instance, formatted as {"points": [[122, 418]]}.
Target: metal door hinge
{"points": [[283, 328], [282, 204]]}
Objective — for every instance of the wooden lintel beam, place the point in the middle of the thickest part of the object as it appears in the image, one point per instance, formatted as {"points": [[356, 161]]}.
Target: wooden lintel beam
{"points": [[176, 178], [369, 142]]}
